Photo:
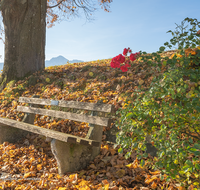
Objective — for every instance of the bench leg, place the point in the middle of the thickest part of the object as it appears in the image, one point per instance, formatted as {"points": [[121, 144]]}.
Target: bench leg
{"points": [[71, 157], [11, 134]]}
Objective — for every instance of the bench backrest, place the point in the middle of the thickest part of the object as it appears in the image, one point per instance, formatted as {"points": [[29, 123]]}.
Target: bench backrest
{"points": [[98, 107]]}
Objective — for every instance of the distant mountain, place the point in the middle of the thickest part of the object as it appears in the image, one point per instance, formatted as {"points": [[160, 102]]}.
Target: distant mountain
{"points": [[60, 60]]}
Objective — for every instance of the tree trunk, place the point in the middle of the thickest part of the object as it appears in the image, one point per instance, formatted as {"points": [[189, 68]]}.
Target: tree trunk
{"points": [[25, 33]]}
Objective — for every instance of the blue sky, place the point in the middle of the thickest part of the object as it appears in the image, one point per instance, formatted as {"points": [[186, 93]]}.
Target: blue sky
{"points": [[140, 25]]}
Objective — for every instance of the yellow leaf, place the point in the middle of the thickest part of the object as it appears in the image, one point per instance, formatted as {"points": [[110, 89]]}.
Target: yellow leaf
{"points": [[62, 188], [106, 187], [58, 176], [129, 165], [106, 147], [196, 183], [91, 74], [141, 82], [26, 92], [47, 80], [175, 161]]}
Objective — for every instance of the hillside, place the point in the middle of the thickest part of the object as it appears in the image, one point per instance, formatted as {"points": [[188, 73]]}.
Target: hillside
{"points": [[55, 61], [85, 82]]}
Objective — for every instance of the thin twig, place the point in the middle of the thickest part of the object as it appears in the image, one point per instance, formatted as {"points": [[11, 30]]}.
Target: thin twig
{"points": [[55, 5]]}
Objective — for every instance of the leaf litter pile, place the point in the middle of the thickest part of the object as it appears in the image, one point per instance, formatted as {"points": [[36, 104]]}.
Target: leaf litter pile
{"points": [[30, 164]]}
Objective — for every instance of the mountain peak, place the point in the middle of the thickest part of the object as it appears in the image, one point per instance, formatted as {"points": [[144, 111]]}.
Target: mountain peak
{"points": [[59, 60]]}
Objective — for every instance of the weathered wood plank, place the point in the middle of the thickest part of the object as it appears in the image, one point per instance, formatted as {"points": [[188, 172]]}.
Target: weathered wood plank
{"points": [[70, 104], [67, 115], [48, 132]]}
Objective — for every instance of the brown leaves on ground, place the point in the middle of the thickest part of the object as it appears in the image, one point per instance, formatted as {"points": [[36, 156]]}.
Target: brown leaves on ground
{"points": [[29, 164]]}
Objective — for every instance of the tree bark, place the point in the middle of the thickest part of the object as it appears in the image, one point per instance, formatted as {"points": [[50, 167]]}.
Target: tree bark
{"points": [[25, 36]]}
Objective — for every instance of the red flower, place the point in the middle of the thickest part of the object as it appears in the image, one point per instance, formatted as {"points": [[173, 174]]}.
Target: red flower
{"points": [[125, 51], [120, 58], [116, 61], [127, 65], [124, 68], [133, 57], [115, 64]]}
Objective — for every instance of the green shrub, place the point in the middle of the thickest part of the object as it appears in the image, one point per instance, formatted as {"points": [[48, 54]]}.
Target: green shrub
{"points": [[169, 112]]}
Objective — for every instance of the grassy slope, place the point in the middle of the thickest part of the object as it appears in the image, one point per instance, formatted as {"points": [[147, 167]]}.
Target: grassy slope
{"points": [[86, 82]]}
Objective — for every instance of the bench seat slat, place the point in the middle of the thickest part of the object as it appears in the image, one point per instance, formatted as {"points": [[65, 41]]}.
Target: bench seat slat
{"points": [[66, 115], [48, 132], [71, 104]]}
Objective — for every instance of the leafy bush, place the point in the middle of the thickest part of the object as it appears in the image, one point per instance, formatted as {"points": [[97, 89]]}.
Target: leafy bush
{"points": [[169, 112]]}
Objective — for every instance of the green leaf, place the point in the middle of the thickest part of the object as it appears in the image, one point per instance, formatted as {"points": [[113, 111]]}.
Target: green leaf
{"points": [[164, 63], [186, 168], [190, 140], [197, 153], [162, 177], [197, 108], [120, 150], [193, 76], [166, 43], [162, 48], [127, 155], [142, 163], [169, 31], [197, 166], [139, 157], [188, 162], [197, 146], [183, 111], [129, 115]]}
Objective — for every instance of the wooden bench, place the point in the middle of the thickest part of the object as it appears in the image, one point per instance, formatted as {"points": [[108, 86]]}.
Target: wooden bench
{"points": [[71, 152]]}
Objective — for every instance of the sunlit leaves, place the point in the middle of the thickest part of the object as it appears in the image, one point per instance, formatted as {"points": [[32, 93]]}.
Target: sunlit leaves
{"points": [[32, 157]]}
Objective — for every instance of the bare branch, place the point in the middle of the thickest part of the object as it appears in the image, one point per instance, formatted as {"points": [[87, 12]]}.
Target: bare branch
{"points": [[55, 5]]}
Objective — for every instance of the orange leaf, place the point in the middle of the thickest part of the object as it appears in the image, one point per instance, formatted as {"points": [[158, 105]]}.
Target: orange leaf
{"points": [[154, 173], [39, 167], [153, 185], [26, 175], [112, 151], [148, 181], [105, 182], [189, 50]]}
